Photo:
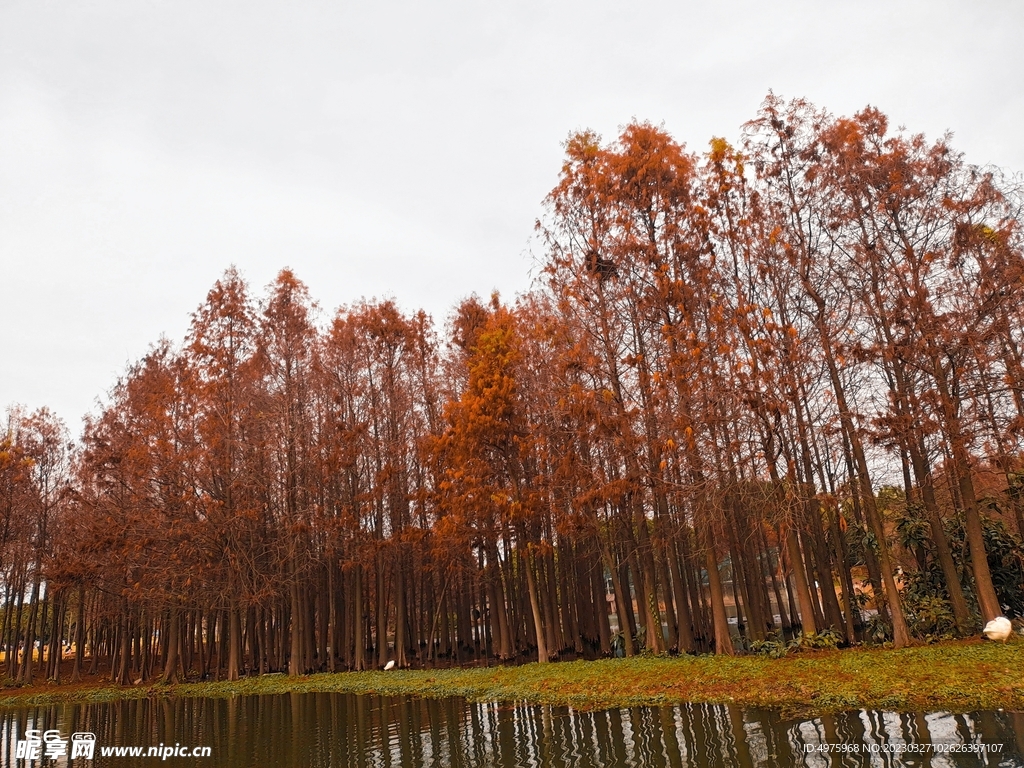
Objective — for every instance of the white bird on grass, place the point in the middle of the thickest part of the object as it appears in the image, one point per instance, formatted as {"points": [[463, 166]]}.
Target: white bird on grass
{"points": [[389, 666], [998, 629]]}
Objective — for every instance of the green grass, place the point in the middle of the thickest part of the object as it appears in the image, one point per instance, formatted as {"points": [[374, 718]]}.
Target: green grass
{"points": [[952, 676]]}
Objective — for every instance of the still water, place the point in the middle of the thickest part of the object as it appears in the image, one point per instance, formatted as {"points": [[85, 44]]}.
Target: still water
{"points": [[324, 730]]}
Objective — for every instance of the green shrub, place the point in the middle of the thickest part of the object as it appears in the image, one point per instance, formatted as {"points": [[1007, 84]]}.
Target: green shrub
{"points": [[772, 648]]}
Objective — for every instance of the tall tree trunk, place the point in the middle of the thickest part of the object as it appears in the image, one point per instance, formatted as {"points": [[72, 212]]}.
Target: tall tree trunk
{"points": [[987, 599], [25, 671], [76, 668], [234, 638], [685, 619], [401, 641], [803, 591], [173, 642], [295, 666], [539, 630], [723, 638], [358, 612]]}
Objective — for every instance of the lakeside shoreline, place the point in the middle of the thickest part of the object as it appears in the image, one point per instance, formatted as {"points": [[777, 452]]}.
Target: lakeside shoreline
{"points": [[955, 676]]}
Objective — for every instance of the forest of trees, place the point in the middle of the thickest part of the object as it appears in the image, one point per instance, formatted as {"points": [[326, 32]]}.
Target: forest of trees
{"points": [[775, 390]]}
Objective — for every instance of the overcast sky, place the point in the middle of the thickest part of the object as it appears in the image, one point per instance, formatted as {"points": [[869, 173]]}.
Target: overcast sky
{"points": [[398, 149]]}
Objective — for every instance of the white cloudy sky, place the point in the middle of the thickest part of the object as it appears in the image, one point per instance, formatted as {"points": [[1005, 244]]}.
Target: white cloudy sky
{"points": [[393, 148]]}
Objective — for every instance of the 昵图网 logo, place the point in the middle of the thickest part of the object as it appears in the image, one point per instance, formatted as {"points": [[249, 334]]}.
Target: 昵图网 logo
{"points": [[49, 744]]}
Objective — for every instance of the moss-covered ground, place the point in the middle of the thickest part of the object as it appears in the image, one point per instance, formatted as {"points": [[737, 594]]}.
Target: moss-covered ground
{"points": [[957, 676]]}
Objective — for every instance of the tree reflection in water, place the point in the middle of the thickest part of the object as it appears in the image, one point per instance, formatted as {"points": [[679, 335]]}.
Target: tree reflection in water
{"points": [[333, 730]]}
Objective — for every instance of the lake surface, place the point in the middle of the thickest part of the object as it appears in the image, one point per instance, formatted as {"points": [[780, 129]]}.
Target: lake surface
{"points": [[323, 730]]}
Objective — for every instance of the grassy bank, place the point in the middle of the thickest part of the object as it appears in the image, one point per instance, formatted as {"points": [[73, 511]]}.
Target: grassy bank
{"points": [[954, 676]]}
